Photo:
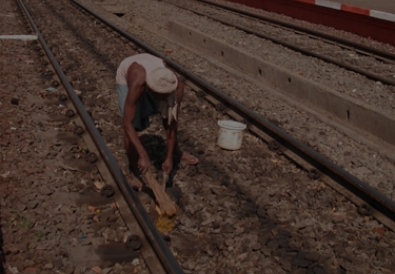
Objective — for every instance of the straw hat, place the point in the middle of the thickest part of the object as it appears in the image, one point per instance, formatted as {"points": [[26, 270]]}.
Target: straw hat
{"points": [[162, 80]]}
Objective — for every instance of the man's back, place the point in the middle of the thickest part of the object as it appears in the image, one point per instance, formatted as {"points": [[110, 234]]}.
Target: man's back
{"points": [[147, 61]]}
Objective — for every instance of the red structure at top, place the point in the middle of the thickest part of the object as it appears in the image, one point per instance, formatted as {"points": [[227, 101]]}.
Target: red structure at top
{"points": [[375, 24]]}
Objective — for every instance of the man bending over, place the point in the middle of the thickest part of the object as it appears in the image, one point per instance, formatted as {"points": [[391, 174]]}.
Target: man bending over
{"points": [[146, 87]]}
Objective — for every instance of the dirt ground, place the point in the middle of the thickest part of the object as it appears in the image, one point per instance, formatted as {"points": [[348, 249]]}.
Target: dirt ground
{"points": [[246, 211]]}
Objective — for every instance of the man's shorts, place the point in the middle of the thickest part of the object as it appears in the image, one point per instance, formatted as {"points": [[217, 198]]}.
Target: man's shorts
{"points": [[146, 106]]}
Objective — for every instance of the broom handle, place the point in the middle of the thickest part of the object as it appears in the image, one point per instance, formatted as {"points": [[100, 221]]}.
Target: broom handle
{"points": [[164, 181], [150, 179]]}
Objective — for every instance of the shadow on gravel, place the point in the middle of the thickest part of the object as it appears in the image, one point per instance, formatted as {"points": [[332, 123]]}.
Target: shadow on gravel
{"points": [[271, 235]]}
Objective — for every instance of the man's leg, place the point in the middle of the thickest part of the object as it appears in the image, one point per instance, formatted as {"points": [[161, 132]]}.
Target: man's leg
{"points": [[133, 158], [183, 156], [177, 153]]}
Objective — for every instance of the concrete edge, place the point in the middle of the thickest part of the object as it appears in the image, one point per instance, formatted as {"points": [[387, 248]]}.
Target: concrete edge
{"points": [[324, 100], [24, 37]]}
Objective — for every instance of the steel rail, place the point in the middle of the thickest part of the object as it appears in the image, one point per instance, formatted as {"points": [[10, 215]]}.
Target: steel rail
{"points": [[331, 38], [167, 259], [372, 197], [370, 75]]}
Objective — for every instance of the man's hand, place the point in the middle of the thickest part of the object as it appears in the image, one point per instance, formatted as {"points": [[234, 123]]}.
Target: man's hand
{"points": [[135, 183], [144, 164], [167, 165]]}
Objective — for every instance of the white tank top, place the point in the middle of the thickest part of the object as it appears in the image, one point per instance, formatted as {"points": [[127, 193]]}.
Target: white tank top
{"points": [[147, 61]]}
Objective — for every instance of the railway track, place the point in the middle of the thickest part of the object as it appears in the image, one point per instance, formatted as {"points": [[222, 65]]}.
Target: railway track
{"points": [[278, 137], [375, 64], [131, 239], [250, 204]]}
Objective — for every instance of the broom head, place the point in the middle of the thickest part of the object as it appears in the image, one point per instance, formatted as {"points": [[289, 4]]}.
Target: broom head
{"points": [[166, 204]]}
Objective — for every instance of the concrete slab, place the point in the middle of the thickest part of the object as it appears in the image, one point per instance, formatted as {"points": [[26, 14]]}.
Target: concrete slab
{"points": [[7, 15], [322, 99], [18, 37]]}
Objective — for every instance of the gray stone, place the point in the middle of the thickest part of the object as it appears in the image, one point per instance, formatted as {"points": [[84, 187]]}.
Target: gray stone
{"points": [[208, 221], [45, 190], [110, 235], [58, 263], [360, 171], [106, 270], [242, 256], [256, 247], [188, 265], [300, 271], [217, 191], [28, 263], [339, 217], [69, 270], [48, 266], [32, 205], [210, 251], [311, 256], [319, 270], [11, 248], [229, 242], [67, 229], [227, 228]]}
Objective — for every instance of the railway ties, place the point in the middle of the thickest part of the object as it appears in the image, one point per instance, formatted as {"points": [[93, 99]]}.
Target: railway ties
{"points": [[241, 211]]}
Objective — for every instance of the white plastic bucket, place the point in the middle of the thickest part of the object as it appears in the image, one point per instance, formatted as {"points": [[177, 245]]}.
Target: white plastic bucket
{"points": [[230, 134]]}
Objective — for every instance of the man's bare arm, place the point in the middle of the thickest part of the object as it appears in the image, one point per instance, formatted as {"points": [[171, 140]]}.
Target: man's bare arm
{"points": [[136, 82]]}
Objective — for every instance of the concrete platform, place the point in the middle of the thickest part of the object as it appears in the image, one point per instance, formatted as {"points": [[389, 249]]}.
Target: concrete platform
{"points": [[368, 18], [322, 99]]}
